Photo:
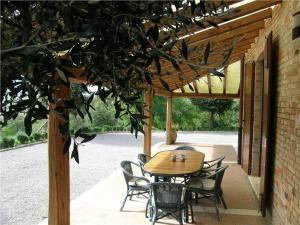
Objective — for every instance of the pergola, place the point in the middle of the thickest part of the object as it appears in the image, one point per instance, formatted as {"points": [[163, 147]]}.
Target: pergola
{"points": [[239, 32]]}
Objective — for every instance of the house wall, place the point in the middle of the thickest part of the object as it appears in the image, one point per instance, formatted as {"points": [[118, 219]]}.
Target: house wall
{"points": [[284, 185]]}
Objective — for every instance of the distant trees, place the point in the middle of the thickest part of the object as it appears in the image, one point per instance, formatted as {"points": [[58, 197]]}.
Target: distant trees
{"points": [[213, 107]]}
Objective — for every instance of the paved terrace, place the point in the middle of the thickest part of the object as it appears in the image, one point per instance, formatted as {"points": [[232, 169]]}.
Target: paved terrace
{"points": [[100, 204]]}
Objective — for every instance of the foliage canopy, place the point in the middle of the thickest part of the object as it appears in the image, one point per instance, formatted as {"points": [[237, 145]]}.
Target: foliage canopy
{"points": [[118, 45]]}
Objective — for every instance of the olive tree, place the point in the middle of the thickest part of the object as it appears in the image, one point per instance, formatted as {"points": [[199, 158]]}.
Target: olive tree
{"points": [[119, 45]]}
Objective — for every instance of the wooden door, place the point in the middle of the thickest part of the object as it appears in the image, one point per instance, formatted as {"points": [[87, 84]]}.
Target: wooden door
{"points": [[265, 123], [248, 116]]}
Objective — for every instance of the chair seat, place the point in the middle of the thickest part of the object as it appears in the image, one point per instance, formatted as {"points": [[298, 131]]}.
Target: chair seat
{"points": [[199, 183], [136, 182]]}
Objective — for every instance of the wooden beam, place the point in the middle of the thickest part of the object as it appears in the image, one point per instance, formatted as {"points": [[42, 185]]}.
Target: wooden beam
{"points": [[161, 92], [205, 95], [148, 122], [59, 171], [195, 86], [241, 114], [169, 120], [209, 82]]}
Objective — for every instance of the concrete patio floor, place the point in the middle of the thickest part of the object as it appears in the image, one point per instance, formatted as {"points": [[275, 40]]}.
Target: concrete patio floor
{"points": [[100, 205]]}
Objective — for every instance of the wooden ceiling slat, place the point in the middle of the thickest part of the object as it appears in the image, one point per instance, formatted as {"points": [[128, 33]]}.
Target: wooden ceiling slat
{"points": [[230, 25], [189, 77], [242, 10]]}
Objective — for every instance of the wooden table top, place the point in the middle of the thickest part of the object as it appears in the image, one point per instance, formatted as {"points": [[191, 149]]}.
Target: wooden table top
{"points": [[162, 164]]}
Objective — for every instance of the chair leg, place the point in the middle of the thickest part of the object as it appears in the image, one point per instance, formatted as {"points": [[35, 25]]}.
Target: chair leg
{"points": [[223, 201], [154, 217], [216, 206], [124, 201], [130, 194], [190, 203], [180, 217], [147, 206]]}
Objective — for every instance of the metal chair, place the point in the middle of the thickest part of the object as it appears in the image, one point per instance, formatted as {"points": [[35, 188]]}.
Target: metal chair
{"points": [[136, 185], [185, 147], [167, 199], [209, 187]]}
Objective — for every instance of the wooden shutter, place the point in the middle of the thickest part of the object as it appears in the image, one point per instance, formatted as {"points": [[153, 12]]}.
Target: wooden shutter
{"points": [[265, 123], [248, 116]]}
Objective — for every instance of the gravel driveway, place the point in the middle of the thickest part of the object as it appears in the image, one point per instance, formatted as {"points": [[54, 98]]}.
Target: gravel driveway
{"points": [[24, 171]]}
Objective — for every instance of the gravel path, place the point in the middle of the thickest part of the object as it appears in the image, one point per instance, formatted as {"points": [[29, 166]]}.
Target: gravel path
{"points": [[24, 171]]}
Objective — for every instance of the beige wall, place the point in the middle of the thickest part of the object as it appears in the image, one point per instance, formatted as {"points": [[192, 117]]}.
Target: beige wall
{"points": [[284, 195]]}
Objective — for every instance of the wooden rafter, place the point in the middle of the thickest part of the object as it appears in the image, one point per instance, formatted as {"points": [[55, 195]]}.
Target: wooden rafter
{"points": [[231, 25]]}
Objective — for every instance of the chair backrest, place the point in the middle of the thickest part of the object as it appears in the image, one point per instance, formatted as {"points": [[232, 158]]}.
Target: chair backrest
{"points": [[143, 158], [219, 177], [215, 162], [127, 170], [185, 147], [165, 195]]}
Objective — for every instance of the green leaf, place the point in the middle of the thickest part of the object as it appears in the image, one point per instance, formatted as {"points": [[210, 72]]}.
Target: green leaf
{"points": [[148, 77], [80, 113], [184, 50], [67, 144], [164, 83], [75, 153], [212, 23], [155, 33], [206, 52], [157, 64], [191, 87], [89, 138], [28, 123], [175, 65], [62, 76]]}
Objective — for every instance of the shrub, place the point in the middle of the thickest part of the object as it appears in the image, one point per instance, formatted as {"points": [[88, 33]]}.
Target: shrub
{"points": [[7, 142], [37, 136], [22, 138], [31, 139]]}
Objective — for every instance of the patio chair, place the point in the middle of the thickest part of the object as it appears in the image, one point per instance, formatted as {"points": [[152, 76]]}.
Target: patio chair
{"points": [[136, 185], [185, 147], [167, 199], [209, 187], [143, 159]]}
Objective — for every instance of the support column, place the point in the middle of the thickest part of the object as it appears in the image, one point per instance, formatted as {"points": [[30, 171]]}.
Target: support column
{"points": [[241, 116], [148, 99], [59, 171], [169, 120]]}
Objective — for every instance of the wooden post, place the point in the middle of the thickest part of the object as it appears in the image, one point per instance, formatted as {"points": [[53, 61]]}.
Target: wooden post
{"points": [[148, 122], [169, 120], [59, 171], [241, 116]]}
